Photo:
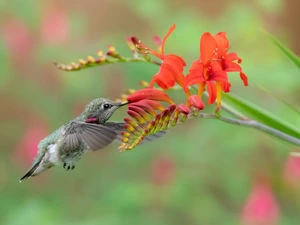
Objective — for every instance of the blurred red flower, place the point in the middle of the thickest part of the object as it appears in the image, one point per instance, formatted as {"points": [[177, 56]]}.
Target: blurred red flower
{"points": [[163, 171], [171, 70], [17, 36], [261, 207], [292, 171], [54, 27], [27, 148]]}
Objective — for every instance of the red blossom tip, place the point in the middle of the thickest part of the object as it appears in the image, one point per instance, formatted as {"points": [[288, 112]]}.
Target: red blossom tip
{"points": [[129, 128], [135, 40], [140, 111], [150, 94], [158, 42], [145, 107], [153, 105], [130, 44], [196, 102], [112, 52], [182, 108], [165, 113], [130, 122], [172, 108], [142, 49], [125, 134], [136, 116], [244, 78]]}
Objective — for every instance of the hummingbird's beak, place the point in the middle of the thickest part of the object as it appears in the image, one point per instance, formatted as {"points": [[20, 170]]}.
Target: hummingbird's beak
{"points": [[123, 103]]}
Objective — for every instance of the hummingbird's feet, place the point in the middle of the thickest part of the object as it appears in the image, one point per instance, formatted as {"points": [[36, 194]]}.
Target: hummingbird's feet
{"points": [[68, 167]]}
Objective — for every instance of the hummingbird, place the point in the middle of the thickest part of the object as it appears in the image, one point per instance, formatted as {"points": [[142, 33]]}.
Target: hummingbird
{"points": [[68, 143], [89, 131]]}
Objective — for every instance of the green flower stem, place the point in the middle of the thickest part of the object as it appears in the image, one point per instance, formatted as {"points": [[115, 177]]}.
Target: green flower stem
{"points": [[225, 107], [253, 124], [241, 119]]}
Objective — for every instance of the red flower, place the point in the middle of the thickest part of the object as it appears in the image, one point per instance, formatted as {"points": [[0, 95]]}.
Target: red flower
{"points": [[261, 207], [172, 66], [150, 94], [195, 102], [227, 59], [292, 171], [163, 171], [55, 27], [207, 72], [27, 147], [18, 39], [210, 70]]}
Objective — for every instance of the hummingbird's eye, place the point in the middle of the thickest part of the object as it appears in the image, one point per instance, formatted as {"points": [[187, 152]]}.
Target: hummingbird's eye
{"points": [[107, 106]]}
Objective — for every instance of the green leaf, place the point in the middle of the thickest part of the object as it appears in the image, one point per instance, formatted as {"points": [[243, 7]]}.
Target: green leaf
{"points": [[291, 55], [288, 105], [261, 115]]}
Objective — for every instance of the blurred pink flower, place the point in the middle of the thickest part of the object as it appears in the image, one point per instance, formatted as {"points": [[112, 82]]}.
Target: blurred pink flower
{"points": [[18, 39], [55, 26], [163, 171], [27, 147], [292, 171], [261, 207]]}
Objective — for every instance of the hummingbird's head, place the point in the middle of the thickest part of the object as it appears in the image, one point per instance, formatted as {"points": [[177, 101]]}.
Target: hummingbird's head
{"points": [[102, 109]]}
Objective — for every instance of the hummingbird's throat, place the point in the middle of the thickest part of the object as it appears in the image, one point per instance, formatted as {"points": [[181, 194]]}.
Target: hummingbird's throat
{"points": [[92, 120]]}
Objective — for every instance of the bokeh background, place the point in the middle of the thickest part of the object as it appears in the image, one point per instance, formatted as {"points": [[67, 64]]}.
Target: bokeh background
{"points": [[202, 172]]}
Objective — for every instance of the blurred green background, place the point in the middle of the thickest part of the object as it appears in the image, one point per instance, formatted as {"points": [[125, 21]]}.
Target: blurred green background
{"points": [[202, 172]]}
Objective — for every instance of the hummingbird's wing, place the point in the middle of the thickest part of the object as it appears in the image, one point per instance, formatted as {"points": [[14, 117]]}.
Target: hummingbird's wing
{"points": [[119, 127], [96, 136]]}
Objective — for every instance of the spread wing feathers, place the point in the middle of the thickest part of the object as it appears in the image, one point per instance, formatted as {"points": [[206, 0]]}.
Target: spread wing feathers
{"points": [[96, 136], [119, 127]]}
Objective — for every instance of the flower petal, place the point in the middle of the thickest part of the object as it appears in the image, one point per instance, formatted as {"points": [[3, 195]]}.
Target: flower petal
{"points": [[176, 64], [223, 43], [232, 67], [145, 104], [232, 56], [244, 78], [196, 102], [226, 86], [163, 78], [182, 108], [191, 79], [212, 92], [208, 47], [219, 76], [172, 28], [170, 72], [196, 66], [149, 93]]}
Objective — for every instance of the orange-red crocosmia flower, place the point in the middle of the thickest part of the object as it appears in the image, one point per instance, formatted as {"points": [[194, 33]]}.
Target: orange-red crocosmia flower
{"points": [[208, 72], [150, 94], [229, 61], [172, 66]]}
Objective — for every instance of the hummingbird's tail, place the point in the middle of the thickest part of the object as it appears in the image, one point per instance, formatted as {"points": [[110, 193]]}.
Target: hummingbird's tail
{"points": [[30, 172]]}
